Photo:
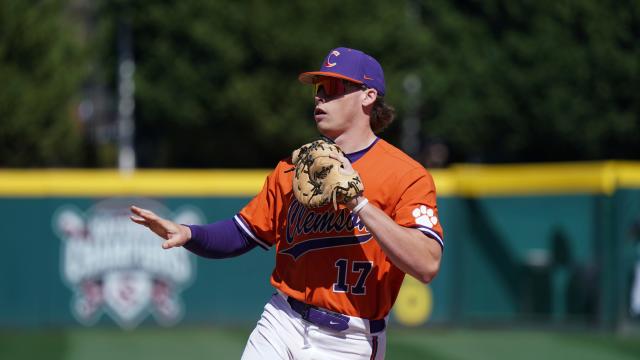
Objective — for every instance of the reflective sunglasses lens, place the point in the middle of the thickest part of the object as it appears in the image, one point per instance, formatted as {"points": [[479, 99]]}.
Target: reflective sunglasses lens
{"points": [[332, 87], [336, 87]]}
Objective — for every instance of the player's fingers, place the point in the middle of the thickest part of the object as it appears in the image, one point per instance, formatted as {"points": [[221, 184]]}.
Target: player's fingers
{"points": [[144, 213], [171, 243], [136, 210], [175, 239], [138, 220]]}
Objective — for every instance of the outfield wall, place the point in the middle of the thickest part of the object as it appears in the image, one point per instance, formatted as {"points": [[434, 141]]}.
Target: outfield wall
{"points": [[553, 244]]}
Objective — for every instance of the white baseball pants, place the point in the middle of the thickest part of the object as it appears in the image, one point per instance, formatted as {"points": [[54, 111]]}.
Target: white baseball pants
{"points": [[281, 333]]}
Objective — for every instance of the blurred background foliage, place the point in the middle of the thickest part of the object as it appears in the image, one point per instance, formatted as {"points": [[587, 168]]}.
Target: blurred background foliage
{"points": [[42, 65], [216, 80]]}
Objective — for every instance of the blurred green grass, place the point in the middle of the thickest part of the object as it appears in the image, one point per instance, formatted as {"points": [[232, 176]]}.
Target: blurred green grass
{"points": [[218, 343]]}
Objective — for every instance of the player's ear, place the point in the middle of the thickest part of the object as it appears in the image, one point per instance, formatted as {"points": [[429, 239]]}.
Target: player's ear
{"points": [[369, 97]]}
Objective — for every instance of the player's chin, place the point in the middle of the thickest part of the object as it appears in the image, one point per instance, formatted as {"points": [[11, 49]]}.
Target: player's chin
{"points": [[326, 131]]}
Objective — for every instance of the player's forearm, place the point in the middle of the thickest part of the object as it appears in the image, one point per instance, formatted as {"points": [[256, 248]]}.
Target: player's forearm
{"points": [[218, 240], [409, 249]]}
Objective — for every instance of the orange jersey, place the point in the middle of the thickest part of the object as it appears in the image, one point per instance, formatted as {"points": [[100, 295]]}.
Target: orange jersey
{"points": [[328, 258]]}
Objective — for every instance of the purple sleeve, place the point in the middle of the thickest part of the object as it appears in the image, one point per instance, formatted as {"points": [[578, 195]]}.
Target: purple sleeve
{"points": [[219, 240]]}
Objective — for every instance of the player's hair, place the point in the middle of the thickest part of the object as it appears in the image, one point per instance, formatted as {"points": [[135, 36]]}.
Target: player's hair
{"points": [[381, 115]]}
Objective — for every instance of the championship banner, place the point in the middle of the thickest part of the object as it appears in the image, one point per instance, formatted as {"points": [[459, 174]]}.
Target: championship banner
{"points": [[117, 267]]}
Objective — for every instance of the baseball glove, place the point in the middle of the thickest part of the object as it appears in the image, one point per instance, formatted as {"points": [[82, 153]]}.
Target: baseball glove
{"points": [[320, 177]]}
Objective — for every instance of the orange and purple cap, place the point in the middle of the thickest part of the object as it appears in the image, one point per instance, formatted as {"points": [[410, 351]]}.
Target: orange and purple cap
{"points": [[349, 64]]}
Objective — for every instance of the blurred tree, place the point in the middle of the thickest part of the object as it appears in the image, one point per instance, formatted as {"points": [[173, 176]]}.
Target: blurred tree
{"points": [[216, 80], [40, 71], [533, 80]]}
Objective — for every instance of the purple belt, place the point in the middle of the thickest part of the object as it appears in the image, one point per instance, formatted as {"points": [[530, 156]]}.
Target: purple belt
{"points": [[328, 319]]}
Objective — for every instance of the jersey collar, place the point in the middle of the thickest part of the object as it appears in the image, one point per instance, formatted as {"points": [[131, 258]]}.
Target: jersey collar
{"points": [[354, 156]]}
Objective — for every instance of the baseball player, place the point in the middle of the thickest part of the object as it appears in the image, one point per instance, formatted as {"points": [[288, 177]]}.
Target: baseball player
{"points": [[338, 268]]}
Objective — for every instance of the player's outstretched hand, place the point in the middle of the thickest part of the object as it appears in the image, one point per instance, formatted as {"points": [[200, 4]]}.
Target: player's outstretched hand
{"points": [[174, 234]]}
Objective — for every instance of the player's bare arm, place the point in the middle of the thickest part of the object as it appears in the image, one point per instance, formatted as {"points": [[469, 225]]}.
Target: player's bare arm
{"points": [[409, 249], [174, 234]]}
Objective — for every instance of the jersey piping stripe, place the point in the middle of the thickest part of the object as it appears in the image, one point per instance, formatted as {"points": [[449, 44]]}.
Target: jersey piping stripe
{"points": [[374, 348], [432, 234], [240, 221], [306, 246]]}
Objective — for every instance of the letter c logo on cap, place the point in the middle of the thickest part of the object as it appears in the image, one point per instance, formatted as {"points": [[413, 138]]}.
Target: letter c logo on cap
{"points": [[328, 63]]}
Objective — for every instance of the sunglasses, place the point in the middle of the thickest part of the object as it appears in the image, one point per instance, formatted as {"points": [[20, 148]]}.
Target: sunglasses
{"points": [[333, 87]]}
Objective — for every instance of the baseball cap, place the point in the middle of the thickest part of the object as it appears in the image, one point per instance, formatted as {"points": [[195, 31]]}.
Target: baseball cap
{"points": [[349, 64]]}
